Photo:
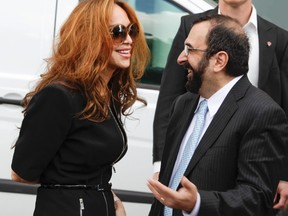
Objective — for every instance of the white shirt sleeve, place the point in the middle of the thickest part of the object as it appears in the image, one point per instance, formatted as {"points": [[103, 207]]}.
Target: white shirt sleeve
{"points": [[196, 208], [157, 166]]}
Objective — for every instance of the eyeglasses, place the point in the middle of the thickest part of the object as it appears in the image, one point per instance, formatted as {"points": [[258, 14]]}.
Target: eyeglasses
{"points": [[188, 49], [119, 32]]}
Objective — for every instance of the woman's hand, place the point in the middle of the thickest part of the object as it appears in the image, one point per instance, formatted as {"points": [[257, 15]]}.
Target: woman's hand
{"points": [[119, 207]]}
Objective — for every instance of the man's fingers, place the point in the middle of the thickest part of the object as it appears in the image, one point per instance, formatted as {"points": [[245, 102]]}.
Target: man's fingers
{"points": [[187, 184], [152, 186], [161, 192], [280, 204]]}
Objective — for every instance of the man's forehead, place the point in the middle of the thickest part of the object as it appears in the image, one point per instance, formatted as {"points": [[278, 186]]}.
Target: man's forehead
{"points": [[201, 27], [199, 32]]}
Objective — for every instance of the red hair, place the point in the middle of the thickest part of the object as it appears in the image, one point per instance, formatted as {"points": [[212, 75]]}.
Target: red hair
{"points": [[81, 55]]}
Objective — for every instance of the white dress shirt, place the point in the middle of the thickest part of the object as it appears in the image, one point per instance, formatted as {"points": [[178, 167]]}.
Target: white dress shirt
{"points": [[251, 30]]}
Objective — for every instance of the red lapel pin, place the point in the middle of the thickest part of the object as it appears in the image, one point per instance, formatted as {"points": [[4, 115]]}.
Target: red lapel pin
{"points": [[269, 43]]}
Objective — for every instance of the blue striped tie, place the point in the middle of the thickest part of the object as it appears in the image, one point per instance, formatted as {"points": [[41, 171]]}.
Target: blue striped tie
{"points": [[188, 150]]}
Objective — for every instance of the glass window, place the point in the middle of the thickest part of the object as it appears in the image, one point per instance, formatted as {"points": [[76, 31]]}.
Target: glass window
{"points": [[160, 20]]}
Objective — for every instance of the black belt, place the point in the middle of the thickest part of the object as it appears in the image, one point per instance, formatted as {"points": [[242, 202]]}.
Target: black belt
{"points": [[99, 187]]}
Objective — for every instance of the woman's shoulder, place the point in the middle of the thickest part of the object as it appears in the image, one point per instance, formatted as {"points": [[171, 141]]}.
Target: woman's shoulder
{"points": [[57, 90], [57, 95]]}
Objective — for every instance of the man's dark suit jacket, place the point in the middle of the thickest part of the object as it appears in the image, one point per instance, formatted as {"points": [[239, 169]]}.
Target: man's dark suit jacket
{"points": [[237, 164], [273, 73]]}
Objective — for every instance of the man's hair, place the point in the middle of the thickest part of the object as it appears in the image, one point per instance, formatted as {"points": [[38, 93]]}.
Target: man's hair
{"points": [[226, 34]]}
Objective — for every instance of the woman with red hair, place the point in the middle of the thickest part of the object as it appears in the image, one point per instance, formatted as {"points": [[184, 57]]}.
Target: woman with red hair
{"points": [[72, 133]]}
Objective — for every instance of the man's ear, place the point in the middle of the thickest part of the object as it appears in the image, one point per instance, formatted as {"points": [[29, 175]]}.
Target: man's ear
{"points": [[221, 59]]}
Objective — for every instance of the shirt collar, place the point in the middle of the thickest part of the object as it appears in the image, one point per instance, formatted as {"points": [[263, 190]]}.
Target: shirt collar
{"points": [[215, 101], [253, 17]]}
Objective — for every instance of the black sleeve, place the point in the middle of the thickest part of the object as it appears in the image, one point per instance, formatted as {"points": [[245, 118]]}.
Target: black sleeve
{"points": [[42, 132]]}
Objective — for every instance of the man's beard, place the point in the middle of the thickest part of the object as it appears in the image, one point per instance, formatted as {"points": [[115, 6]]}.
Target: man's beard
{"points": [[195, 83]]}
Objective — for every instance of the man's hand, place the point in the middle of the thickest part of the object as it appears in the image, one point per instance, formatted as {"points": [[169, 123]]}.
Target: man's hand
{"points": [[282, 191], [156, 176], [183, 199]]}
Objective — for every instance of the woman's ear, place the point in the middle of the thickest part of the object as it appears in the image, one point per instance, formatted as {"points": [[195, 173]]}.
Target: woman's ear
{"points": [[221, 59]]}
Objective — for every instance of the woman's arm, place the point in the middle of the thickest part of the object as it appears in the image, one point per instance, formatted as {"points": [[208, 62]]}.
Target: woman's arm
{"points": [[15, 177]]}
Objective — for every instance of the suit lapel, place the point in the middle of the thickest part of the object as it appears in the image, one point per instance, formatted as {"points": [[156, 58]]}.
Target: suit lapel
{"points": [[267, 43], [178, 127], [220, 121]]}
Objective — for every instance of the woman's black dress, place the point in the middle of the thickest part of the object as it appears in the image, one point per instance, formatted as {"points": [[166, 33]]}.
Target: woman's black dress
{"points": [[67, 153]]}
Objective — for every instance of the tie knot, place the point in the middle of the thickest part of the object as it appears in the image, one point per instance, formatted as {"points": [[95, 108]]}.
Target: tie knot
{"points": [[203, 107]]}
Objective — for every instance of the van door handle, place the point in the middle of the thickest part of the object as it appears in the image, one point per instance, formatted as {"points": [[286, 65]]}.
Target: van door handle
{"points": [[10, 101]]}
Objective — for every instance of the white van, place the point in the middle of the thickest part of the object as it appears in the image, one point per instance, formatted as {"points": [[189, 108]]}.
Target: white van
{"points": [[27, 31]]}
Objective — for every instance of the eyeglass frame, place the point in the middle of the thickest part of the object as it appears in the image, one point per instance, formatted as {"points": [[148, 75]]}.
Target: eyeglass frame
{"points": [[127, 31], [188, 49]]}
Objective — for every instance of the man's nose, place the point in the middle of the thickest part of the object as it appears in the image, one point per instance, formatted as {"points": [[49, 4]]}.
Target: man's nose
{"points": [[182, 58]]}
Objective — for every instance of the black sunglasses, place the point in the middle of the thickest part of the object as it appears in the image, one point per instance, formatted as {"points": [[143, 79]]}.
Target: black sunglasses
{"points": [[119, 32]]}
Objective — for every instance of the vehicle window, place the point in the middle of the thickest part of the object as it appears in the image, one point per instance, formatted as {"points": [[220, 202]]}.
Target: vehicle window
{"points": [[160, 20]]}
